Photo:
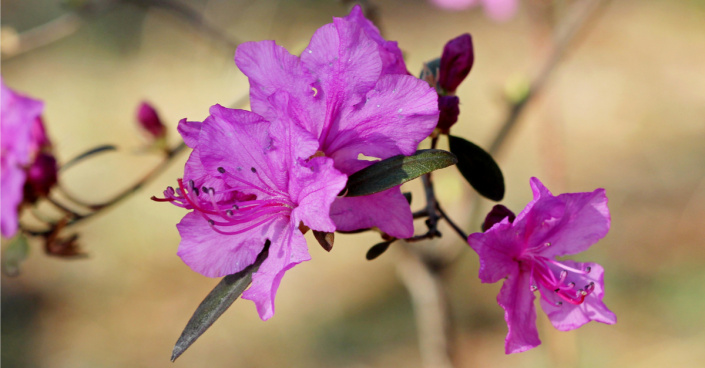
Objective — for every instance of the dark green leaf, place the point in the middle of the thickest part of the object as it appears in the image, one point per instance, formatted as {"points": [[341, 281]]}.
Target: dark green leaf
{"points": [[396, 170], [15, 253], [217, 302], [324, 239], [377, 250], [478, 168]]}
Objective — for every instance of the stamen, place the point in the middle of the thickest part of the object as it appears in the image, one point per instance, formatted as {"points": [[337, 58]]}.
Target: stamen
{"points": [[588, 269], [254, 171], [221, 170]]}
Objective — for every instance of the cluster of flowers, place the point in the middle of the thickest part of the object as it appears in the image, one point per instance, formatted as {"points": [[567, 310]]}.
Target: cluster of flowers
{"points": [[270, 174], [28, 167]]}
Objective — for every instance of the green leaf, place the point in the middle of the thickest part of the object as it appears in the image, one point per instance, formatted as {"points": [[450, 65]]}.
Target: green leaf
{"points": [[216, 303], [396, 170], [15, 253], [478, 168], [378, 249]]}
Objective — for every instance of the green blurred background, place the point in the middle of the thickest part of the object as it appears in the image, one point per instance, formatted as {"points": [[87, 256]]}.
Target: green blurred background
{"points": [[625, 110]]}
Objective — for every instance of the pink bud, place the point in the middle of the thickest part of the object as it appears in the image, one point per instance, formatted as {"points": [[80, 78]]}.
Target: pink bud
{"points": [[149, 121], [41, 176], [456, 62]]}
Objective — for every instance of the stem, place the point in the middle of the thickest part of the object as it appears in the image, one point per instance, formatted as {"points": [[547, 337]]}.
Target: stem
{"points": [[452, 224], [431, 307]]}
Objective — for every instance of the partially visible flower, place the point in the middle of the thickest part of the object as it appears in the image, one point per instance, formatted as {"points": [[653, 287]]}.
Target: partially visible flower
{"points": [[18, 115], [42, 175], [248, 181], [350, 89], [456, 62], [149, 121], [499, 10], [523, 253]]}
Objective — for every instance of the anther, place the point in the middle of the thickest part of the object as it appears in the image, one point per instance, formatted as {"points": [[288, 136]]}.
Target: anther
{"points": [[253, 170], [559, 303], [211, 222], [236, 207], [534, 287], [563, 275], [547, 244], [195, 191], [221, 170], [191, 185], [204, 189], [229, 212], [588, 269], [571, 284]]}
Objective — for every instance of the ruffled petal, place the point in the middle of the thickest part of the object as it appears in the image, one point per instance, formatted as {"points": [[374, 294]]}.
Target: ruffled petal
{"points": [[398, 114], [12, 180], [497, 248], [569, 316], [570, 223], [216, 255], [392, 59], [288, 248], [189, 131], [314, 187], [517, 299], [388, 210], [271, 68], [239, 142]]}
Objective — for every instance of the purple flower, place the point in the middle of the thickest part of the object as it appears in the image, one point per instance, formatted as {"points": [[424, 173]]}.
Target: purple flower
{"points": [[499, 10], [350, 89], [523, 252], [18, 115], [249, 181]]}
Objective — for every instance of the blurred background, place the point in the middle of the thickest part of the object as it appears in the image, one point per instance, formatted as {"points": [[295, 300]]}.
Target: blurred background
{"points": [[623, 110]]}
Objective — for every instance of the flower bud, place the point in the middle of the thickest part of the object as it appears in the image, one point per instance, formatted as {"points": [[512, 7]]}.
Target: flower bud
{"points": [[456, 62], [41, 177], [148, 120], [449, 112], [497, 214]]}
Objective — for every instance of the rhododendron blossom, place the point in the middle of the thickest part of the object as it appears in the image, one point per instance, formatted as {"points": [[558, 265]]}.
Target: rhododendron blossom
{"points": [[20, 125], [247, 181], [523, 252], [351, 90]]}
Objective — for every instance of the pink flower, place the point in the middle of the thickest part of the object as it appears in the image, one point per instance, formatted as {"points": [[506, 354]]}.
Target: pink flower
{"points": [[499, 10], [350, 89], [523, 252], [248, 181], [19, 118]]}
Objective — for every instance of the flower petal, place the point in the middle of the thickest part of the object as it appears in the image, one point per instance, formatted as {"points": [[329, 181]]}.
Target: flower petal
{"points": [[189, 131], [288, 248], [11, 181], [239, 142], [314, 187], [215, 255], [517, 299], [392, 59], [388, 210], [497, 248], [569, 316], [570, 222], [398, 114], [271, 68]]}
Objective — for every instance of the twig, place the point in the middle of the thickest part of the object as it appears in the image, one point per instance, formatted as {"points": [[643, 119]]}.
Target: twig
{"points": [[583, 13], [452, 224]]}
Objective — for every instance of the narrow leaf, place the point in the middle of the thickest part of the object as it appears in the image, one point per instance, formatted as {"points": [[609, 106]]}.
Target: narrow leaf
{"points": [[15, 253], [324, 239], [216, 303], [478, 168], [377, 250], [397, 170], [87, 154]]}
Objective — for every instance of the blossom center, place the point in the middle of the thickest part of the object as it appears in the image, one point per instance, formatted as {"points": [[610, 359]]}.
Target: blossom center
{"points": [[228, 211], [554, 279]]}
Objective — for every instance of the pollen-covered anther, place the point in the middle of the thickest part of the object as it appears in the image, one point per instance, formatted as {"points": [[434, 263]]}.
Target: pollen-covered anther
{"points": [[221, 170]]}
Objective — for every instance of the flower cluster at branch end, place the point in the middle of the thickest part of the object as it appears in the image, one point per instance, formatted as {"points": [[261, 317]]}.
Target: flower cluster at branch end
{"points": [[523, 252], [28, 166], [249, 180], [350, 89]]}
